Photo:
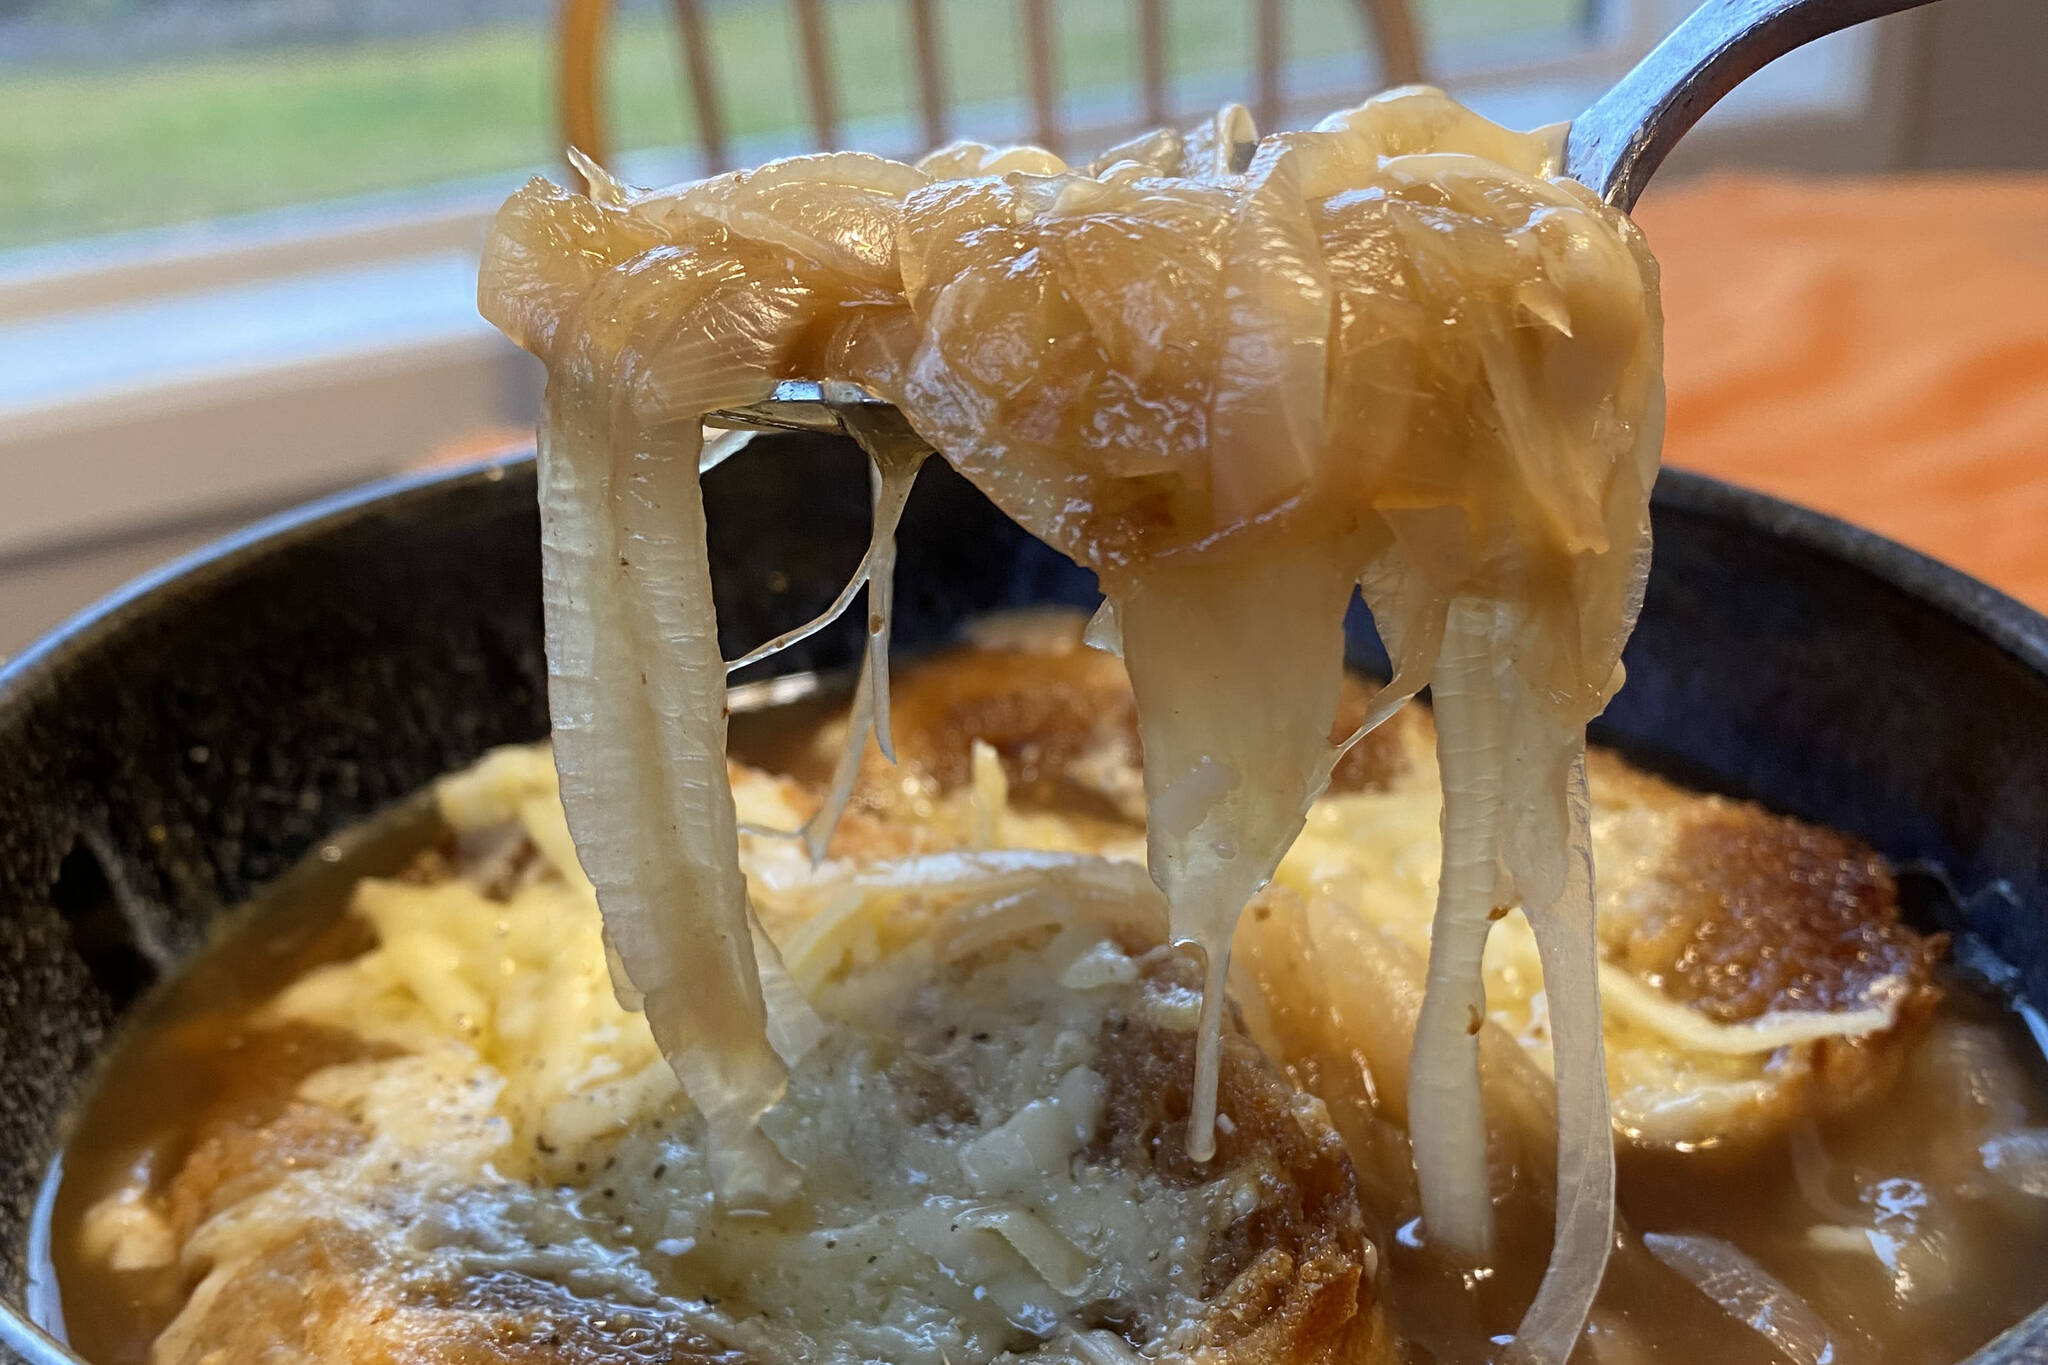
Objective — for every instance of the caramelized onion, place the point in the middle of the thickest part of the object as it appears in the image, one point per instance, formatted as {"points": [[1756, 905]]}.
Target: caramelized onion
{"points": [[1748, 1293], [1235, 378], [1584, 1235], [1445, 1115]]}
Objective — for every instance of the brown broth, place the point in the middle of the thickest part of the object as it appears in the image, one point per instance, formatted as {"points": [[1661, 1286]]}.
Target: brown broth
{"points": [[1975, 1249], [1910, 1146], [189, 1059], [1989, 1241]]}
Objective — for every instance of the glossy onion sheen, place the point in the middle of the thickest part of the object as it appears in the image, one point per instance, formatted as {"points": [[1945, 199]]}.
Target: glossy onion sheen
{"points": [[1235, 379]]}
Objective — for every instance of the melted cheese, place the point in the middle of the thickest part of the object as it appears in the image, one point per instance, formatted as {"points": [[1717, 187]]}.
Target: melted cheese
{"points": [[1676, 1077], [533, 1126], [956, 1203]]}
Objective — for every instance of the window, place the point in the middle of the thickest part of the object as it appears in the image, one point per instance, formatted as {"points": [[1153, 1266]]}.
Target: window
{"points": [[127, 114], [236, 251]]}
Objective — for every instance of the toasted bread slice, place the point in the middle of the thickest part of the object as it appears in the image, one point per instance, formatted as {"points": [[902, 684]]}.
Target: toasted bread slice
{"points": [[1061, 719], [992, 1134], [1755, 969], [1723, 926], [1294, 1280], [1753, 921]]}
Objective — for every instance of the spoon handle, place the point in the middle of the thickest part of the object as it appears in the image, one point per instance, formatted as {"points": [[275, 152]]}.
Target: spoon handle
{"points": [[1618, 143]]}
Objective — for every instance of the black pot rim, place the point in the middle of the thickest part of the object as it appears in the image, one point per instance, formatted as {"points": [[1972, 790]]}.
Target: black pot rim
{"points": [[48, 654], [2011, 625]]}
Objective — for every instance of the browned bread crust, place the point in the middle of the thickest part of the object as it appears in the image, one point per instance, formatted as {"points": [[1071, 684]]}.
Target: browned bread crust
{"points": [[1739, 912], [1765, 912], [1293, 1280], [1062, 720]]}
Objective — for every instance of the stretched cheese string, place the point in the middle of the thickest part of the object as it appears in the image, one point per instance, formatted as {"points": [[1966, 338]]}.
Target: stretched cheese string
{"points": [[1235, 668], [895, 458]]}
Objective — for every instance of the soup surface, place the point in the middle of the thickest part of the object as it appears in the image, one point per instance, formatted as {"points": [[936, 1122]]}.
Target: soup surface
{"points": [[398, 1115]]}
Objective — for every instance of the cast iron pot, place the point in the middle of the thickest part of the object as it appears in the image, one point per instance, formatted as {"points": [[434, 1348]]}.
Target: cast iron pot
{"points": [[173, 750]]}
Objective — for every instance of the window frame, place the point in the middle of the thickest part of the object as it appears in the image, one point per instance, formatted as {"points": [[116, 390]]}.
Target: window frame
{"points": [[121, 463]]}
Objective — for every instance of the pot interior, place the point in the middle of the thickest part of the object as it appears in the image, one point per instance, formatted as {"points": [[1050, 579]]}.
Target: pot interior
{"points": [[171, 753]]}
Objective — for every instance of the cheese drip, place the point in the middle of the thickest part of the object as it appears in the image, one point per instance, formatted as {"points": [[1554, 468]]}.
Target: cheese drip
{"points": [[1234, 377]]}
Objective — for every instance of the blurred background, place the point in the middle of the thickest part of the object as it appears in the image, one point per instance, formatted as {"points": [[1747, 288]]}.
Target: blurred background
{"points": [[237, 237]]}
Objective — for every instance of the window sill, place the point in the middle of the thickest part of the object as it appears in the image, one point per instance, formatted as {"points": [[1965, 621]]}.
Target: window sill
{"points": [[119, 418]]}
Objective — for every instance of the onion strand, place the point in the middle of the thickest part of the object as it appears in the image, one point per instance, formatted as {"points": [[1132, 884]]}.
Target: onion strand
{"points": [[1567, 944], [1748, 1293], [1446, 1116]]}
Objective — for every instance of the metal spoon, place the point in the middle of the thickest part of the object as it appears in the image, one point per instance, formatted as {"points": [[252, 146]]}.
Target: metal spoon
{"points": [[1621, 139], [1614, 147]]}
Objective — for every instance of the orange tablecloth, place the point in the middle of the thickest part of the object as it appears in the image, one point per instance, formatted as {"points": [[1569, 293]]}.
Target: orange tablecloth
{"points": [[1876, 348]]}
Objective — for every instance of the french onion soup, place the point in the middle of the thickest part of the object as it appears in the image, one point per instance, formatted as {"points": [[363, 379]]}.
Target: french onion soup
{"points": [[1147, 987]]}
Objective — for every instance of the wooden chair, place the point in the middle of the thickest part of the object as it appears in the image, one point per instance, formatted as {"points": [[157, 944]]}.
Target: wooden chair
{"points": [[584, 22]]}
